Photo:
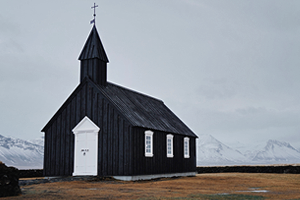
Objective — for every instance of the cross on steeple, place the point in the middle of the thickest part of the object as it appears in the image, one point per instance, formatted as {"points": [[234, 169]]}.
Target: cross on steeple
{"points": [[94, 7]]}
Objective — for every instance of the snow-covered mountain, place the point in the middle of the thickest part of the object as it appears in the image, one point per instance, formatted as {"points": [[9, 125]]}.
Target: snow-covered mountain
{"points": [[38, 141], [278, 152], [21, 154], [211, 151]]}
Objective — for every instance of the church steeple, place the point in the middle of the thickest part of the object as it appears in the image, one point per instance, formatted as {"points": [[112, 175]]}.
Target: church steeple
{"points": [[93, 59]]}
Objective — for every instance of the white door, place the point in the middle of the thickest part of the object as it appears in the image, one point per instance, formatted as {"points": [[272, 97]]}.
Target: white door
{"points": [[85, 151]]}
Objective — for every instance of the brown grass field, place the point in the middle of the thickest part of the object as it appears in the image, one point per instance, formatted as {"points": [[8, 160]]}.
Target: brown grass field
{"points": [[203, 186]]}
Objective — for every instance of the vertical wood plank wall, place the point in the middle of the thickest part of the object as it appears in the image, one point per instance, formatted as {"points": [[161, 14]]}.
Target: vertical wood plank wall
{"points": [[114, 135], [160, 163]]}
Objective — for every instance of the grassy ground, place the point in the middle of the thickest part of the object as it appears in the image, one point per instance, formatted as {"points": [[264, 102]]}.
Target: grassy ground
{"points": [[203, 186]]}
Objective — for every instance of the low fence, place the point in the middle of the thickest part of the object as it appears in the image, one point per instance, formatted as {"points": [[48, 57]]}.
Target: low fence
{"points": [[285, 169], [28, 173]]}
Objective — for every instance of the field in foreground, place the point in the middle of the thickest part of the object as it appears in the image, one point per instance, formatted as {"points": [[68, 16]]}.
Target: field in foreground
{"points": [[203, 186]]}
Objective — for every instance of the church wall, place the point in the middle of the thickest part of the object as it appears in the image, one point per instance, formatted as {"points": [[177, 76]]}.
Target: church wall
{"points": [[114, 153], [160, 163]]}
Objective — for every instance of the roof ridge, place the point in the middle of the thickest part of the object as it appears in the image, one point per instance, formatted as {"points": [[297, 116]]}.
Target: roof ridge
{"points": [[136, 92]]}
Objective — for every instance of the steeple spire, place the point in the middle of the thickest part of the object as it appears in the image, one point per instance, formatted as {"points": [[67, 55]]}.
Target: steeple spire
{"points": [[93, 59], [93, 47]]}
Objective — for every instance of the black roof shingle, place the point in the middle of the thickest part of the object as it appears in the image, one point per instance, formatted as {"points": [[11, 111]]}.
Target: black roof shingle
{"points": [[145, 111]]}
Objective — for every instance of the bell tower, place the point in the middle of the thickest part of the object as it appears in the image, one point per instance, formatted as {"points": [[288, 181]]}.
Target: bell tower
{"points": [[93, 59]]}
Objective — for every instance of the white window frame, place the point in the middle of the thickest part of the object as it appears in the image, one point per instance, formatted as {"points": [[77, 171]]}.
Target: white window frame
{"points": [[149, 147], [186, 147], [170, 139]]}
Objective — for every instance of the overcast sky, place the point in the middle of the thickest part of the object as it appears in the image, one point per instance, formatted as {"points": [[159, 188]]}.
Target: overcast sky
{"points": [[226, 68]]}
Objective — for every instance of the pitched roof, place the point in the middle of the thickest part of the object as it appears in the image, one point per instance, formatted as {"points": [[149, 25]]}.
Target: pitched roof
{"points": [[145, 111], [93, 47], [139, 109]]}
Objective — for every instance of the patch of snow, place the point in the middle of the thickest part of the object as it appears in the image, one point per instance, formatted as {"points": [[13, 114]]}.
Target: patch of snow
{"points": [[38, 141]]}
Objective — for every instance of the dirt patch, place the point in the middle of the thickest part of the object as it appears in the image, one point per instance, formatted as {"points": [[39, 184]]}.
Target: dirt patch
{"points": [[203, 186]]}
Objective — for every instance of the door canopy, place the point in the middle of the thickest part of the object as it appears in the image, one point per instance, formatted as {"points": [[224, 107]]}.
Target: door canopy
{"points": [[85, 125]]}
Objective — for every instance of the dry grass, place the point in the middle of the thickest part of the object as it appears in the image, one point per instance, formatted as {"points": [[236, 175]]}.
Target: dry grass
{"points": [[203, 186]]}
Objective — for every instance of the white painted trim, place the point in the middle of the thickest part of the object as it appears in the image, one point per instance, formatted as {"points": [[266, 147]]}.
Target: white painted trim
{"points": [[85, 174], [147, 154], [171, 155], [79, 128], [85, 126], [186, 139], [153, 176]]}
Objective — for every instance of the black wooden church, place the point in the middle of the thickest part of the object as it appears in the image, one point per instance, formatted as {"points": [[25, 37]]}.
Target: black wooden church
{"points": [[105, 129]]}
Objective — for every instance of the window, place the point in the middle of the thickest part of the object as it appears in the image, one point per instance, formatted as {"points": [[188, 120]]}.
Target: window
{"points": [[148, 143], [186, 147], [170, 146]]}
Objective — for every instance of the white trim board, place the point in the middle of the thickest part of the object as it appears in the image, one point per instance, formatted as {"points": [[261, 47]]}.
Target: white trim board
{"points": [[153, 176]]}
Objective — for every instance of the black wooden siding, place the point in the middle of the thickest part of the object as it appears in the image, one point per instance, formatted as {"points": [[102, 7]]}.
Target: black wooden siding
{"points": [[95, 69], [160, 163], [114, 153]]}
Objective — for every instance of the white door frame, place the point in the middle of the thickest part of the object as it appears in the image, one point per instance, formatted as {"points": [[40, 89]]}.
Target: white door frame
{"points": [[86, 126]]}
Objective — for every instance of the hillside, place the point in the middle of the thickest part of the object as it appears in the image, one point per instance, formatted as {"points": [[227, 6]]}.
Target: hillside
{"points": [[212, 152], [21, 153]]}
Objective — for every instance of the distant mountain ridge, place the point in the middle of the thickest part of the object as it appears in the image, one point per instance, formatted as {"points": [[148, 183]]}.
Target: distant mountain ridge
{"points": [[211, 152], [38, 141], [21, 154], [276, 151]]}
